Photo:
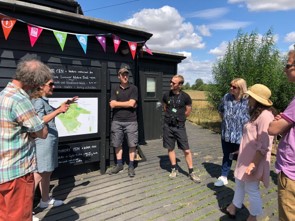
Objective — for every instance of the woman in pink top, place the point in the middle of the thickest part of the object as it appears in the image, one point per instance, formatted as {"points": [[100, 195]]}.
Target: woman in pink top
{"points": [[253, 164]]}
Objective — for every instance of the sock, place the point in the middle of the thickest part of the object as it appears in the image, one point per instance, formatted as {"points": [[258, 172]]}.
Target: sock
{"points": [[120, 162], [173, 167], [131, 163], [190, 170]]}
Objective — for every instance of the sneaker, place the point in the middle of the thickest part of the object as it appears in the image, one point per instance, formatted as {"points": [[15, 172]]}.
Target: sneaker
{"points": [[51, 202], [193, 176], [35, 218], [221, 181], [116, 169], [173, 173], [131, 172]]}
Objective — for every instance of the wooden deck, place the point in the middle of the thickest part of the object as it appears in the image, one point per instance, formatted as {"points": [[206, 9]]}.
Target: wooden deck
{"points": [[151, 195]]}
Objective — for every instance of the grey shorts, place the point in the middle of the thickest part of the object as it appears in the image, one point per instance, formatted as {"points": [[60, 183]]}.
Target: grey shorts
{"points": [[172, 134], [121, 129]]}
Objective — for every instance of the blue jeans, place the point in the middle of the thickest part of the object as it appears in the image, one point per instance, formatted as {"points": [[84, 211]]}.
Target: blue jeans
{"points": [[227, 148]]}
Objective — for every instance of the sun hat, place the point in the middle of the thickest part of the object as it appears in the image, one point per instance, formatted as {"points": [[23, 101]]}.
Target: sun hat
{"points": [[123, 70], [260, 93]]}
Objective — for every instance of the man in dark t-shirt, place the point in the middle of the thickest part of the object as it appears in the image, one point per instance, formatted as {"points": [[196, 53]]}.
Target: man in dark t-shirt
{"points": [[124, 102], [177, 107]]}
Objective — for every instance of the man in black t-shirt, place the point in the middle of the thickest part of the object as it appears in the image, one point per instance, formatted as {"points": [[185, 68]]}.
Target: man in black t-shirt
{"points": [[177, 107], [123, 102]]}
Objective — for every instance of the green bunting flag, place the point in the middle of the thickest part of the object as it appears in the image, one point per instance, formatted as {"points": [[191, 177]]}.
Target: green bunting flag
{"points": [[61, 38]]}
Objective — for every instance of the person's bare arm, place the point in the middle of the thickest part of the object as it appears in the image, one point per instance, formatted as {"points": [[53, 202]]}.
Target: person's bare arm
{"points": [[279, 126], [123, 104], [188, 110]]}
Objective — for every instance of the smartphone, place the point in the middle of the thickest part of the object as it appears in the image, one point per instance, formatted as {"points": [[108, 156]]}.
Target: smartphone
{"points": [[68, 102]]}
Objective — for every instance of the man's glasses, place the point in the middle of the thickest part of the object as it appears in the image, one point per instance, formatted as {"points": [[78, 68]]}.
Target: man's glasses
{"points": [[288, 66], [232, 86], [51, 84]]}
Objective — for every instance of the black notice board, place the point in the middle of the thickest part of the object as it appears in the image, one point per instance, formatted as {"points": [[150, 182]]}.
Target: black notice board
{"points": [[76, 77], [78, 153]]}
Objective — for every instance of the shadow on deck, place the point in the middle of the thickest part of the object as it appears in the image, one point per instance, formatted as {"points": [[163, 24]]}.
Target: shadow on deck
{"points": [[151, 195]]}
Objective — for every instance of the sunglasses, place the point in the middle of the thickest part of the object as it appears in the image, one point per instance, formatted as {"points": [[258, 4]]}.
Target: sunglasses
{"points": [[232, 86], [50, 84], [173, 83], [288, 66]]}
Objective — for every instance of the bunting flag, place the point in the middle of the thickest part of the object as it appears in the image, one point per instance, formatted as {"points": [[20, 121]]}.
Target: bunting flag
{"points": [[61, 38], [34, 33], [102, 41], [132, 46], [83, 41], [117, 42], [147, 50], [7, 25]]}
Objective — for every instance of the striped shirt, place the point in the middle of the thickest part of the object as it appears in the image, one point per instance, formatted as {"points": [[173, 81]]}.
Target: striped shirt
{"points": [[17, 118]]}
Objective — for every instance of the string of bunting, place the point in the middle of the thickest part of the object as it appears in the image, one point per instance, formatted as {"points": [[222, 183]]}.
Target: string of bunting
{"points": [[35, 31]]}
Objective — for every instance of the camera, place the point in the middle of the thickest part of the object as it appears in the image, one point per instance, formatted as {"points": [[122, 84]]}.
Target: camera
{"points": [[173, 121]]}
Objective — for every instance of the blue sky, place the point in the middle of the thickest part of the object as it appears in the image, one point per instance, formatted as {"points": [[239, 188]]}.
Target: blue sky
{"points": [[200, 30]]}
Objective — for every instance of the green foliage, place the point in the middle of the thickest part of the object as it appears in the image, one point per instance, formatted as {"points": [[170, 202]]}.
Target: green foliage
{"points": [[255, 59], [186, 86]]}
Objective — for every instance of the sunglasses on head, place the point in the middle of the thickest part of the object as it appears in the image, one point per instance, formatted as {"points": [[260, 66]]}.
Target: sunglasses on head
{"points": [[232, 86], [50, 84], [171, 82], [288, 66]]}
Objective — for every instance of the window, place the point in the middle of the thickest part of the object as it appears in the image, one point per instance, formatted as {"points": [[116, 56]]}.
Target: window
{"points": [[150, 87]]}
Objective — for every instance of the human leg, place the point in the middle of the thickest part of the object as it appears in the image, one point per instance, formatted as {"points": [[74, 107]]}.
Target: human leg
{"points": [[286, 197], [117, 136], [255, 201], [16, 199], [238, 199]]}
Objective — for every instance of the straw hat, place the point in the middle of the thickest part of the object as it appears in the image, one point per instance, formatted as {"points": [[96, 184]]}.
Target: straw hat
{"points": [[260, 93]]}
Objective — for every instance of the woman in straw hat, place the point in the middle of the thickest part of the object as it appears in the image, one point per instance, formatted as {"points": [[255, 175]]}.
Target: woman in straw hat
{"points": [[253, 164]]}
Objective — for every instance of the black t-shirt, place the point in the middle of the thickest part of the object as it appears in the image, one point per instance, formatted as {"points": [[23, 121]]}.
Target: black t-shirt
{"points": [[177, 102], [124, 94]]}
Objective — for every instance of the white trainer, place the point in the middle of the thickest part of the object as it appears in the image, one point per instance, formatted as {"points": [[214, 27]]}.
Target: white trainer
{"points": [[51, 202], [221, 181], [35, 218]]}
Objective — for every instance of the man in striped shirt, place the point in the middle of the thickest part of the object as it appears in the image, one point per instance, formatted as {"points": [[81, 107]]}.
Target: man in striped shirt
{"points": [[19, 125]]}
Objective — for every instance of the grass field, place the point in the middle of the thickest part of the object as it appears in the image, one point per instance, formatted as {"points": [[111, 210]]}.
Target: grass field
{"points": [[203, 113]]}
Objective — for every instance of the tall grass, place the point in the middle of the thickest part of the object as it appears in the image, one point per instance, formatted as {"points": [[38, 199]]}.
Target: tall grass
{"points": [[203, 113]]}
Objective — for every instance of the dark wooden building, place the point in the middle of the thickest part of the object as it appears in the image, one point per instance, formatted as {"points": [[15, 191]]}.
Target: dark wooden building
{"points": [[89, 75]]}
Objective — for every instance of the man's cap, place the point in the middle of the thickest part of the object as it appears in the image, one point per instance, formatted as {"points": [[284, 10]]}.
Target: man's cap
{"points": [[123, 70]]}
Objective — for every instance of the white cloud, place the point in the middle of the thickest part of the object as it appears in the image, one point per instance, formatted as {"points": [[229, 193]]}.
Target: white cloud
{"points": [[193, 69], [170, 32], [203, 30], [263, 5], [220, 50], [209, 13], [228, 25], [290, 37]]}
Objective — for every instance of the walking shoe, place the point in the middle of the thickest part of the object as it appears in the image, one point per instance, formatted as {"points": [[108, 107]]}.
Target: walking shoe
{"points": [[116, 169], [193, 176], [131, 172], [221, 181], [50, 202], [35, 218], [173, 173]]}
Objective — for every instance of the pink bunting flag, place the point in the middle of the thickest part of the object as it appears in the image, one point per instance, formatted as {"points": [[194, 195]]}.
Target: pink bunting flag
{"points": [[147, 50], [34, 33], [102, 41], [117, 42], [132, 47], [7, 25]]}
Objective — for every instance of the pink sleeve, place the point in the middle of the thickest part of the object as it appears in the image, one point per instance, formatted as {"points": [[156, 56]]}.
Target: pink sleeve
{"points": [[264, 141]]}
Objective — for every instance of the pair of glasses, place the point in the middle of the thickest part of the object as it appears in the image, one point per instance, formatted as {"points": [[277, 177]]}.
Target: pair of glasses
{"points": [[288, 66], [173, 83], [232, 86], [51, 84]]}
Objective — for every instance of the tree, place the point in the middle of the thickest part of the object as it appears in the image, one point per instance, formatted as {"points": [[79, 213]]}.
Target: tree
{"points": [[256, 60], [198, 83], [186, 86]]}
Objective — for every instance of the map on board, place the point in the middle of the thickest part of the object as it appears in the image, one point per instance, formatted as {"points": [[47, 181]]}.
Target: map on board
{"points": [[80, 119]]}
